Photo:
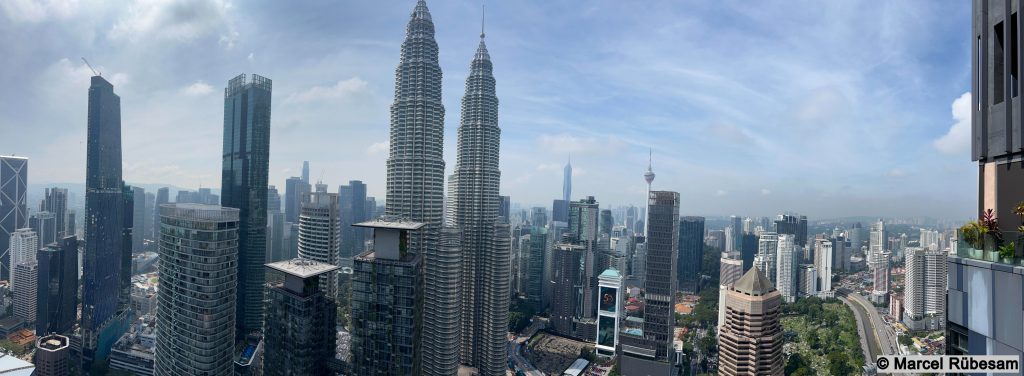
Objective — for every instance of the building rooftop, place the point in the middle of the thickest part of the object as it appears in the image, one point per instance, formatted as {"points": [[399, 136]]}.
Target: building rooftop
{"points": [[392, 223], [302, 268], [610, 273], [52, 342], [754, 283], [10, 365]]}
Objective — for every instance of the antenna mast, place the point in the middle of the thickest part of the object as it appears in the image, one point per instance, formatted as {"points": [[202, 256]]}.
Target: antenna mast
{"points": [[94, 71]]}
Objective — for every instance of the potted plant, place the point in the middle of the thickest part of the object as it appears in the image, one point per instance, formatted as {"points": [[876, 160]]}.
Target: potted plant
{"points": [[973, 234], [1007, 252]]}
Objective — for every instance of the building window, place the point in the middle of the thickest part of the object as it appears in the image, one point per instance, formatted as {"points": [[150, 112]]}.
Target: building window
{"points": [[998, 75], [1014, 62]]}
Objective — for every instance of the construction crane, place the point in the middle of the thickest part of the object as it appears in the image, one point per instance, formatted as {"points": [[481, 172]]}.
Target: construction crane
{"points": [[94, 71]]}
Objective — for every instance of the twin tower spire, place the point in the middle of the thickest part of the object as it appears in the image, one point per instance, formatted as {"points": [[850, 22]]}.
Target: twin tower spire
{"points": [[466, 276]]}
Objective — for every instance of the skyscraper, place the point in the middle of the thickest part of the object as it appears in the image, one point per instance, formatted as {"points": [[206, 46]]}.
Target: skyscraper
{"points": [[583, 228], [877, 241], [730, 271], [607, 222], [736, 234], [244, 187], [415, 184], [24, 244], [610, 307], [504, 208], [104, 223], [386, 293], [567, 280], [127, 236], [162, 197], [13, 205], [299, 332], [788, 260], [924, 295], [533, 273], [23, 288], [486, 274], [138, 218], [273, 199], [823, 254], [567, 181], [294, 189], [352, 199], [691, 253], [57, 287], [196, 298], [767, 251], [56, 202], [659, 287], [305, 172], [53, 355], [880, 270], [750, 342], [320, 235]]}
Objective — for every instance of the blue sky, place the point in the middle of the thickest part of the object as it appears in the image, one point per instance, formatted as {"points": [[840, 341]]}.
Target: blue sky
{"points": [[834, 108]]}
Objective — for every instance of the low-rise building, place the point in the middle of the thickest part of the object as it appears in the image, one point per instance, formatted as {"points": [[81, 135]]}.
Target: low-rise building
{"points": [[135, 351]]}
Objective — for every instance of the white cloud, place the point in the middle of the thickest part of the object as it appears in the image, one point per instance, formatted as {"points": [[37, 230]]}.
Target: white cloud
{"points": [[37, 10], [765, 192], [569, 144], [721, 192], [343, 88], [378, 148], [958, 140], [731, 133], [199, 88], [251, 57], [176, 20], [896, 173]]}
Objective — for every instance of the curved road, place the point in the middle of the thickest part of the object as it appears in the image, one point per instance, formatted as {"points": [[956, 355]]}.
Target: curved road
{"points": [[877, 337], [868, 340]]}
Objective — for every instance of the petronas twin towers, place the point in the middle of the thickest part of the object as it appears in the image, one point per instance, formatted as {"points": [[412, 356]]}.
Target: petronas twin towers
{"points": [[466, 268]]}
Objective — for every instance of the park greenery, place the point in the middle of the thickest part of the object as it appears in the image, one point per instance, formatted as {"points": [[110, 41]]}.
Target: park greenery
{"points": [[823, 336]]}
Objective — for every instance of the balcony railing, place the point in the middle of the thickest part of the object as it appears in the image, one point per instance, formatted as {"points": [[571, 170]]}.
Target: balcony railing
{"points": [[967, 250]]}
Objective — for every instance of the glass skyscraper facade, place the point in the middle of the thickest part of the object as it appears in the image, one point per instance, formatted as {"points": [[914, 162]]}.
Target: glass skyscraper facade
{"points": [[13, 205], [104, 213], [691, 253], [244, 187], [299, 335], [57, 289]]}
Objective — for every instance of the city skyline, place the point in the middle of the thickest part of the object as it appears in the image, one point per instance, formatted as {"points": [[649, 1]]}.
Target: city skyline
{"points": [[893, 163]]}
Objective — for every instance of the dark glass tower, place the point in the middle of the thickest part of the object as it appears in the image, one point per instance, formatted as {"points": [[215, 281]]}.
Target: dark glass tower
{"points": [[299, 335], [13, 205], [56, 202], [353, 210], [57, 295], [244, 187], [691, 253], [104, 219]]}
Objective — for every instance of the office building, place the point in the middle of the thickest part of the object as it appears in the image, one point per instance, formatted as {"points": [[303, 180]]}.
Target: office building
{"points": [[504, 208], [56, 201], [196, 298], [104, 223], [24, 245], [320, 235], [532, 280], [730, 271], [880, 273], [792, 225], [13, 205], [387, 293], [44, 224], [924, 294], [786, 267], [57, 287], [567, 181], [609, 297], [138, 219], [415, 187], [691, 253], [127, 236], [294, 189], [277, 237], [823, 253], [486, 234], [23, 288], [305, 171], [53, 355], [273, 199], [163, 196], [750, 342], [299, 335], [244, 187], [734, 233], [538, 217], [352, 198], [567, 282], [654, 348], [748, 251], [877, 242]]}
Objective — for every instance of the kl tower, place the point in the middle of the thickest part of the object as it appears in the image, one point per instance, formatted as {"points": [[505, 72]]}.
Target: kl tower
{"points": [[649, 177]]}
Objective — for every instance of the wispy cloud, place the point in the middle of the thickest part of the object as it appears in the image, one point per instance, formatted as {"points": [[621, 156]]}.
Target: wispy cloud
{"points": [[341, 89]]}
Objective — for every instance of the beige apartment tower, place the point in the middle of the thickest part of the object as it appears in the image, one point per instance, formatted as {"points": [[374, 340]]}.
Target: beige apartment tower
{"points": [[750, 342]]}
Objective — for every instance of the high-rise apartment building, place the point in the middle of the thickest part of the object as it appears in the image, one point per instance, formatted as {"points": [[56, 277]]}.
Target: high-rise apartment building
{"points": [[750, 342], [163, 196], [823, 254], [299, 335], [924, 294], [880, 275], [788, 260], [485, 241], [57, 287], [244, 172], [415, 189], [767, 252], [23, 288], [730, 271], [567, 280], [691, 253], [24, 245], [877, 241], [808, 280], [196, 299], [13, 205], [387, 293], [984, 314], [320, 235]]}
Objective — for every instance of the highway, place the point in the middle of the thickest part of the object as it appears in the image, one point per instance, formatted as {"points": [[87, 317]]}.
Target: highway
{"points": [[868, 340], [515, 346], [877, 337]]}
